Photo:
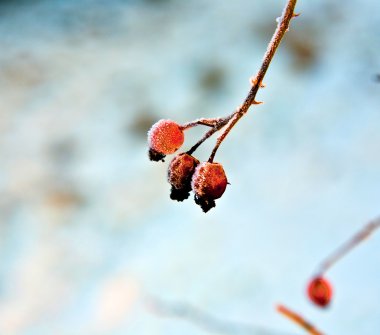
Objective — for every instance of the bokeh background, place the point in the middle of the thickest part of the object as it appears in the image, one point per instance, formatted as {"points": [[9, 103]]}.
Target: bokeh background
{"points": [[89, 239]]}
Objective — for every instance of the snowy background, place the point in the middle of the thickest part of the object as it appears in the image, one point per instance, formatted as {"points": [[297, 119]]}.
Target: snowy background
{"points": [[88, 233]]}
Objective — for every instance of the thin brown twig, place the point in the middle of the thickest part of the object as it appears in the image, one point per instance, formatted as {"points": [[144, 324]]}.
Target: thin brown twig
{"points": [[282, 28], [219, 125], [359, 237], [206, 122], [298, 319]]}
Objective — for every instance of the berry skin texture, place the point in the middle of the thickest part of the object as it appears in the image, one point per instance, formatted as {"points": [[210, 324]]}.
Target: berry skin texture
{"points": [[319, 291], [164, 137], [180, 171], [208, 183]]}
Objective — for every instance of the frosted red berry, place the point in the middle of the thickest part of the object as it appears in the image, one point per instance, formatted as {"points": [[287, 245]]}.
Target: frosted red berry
{"points": [[319, 291], [164, 137], [180, 172], [208, 183]]}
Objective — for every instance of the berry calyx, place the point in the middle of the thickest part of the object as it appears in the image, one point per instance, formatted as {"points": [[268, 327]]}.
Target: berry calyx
{"points": [[319, 291], [164, 137], [180, 171], [208, 183]]}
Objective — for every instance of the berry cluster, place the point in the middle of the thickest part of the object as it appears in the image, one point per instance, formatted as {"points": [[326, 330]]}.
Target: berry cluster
{"points": [[207, 180]]}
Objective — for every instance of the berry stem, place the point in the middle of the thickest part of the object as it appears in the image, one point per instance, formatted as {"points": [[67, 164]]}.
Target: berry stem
{"points": [[356, 239], [299, 320], [219, 124], [282, 28], [205, 122]]}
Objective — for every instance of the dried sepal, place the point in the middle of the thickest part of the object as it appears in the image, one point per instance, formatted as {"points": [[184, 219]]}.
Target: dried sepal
{"points": [[156, 156]]}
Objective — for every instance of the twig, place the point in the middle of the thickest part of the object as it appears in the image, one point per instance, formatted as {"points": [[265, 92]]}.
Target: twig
{"points": [[215, 122], [360, 236], [205, 320], [219, 125], [298, 319], [282, 28]]}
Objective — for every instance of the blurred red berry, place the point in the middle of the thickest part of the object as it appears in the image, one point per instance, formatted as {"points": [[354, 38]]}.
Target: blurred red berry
{"points": [[164, 137], [208, 183], [180, 171], [319, 291]]}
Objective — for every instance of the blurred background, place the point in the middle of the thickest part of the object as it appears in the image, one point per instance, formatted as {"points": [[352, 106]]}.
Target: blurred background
{"points": [[90, 242]]}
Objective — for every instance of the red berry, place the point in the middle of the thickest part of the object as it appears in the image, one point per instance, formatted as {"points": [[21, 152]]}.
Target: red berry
{"points": [[180, 171], [208, 183], [319, 291], [165, 137]]}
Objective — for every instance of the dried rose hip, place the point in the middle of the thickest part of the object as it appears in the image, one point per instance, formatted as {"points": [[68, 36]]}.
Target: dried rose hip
{"points": [[208, 183], [180, 171], [164, 137], [319, 291]]}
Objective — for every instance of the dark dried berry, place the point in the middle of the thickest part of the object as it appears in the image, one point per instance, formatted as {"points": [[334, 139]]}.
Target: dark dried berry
{"points": [[164, 137], [319, 291], [208, 183], [180, 172]]}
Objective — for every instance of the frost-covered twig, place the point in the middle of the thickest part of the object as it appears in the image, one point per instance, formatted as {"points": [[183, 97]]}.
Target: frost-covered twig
{"points": [[257, 81]]}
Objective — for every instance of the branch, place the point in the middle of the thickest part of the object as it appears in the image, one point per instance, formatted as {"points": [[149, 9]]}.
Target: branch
{"points": [[216, 127], [205, 320], [282, 28], [206, 122], [359, 237], [298, 319]]}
